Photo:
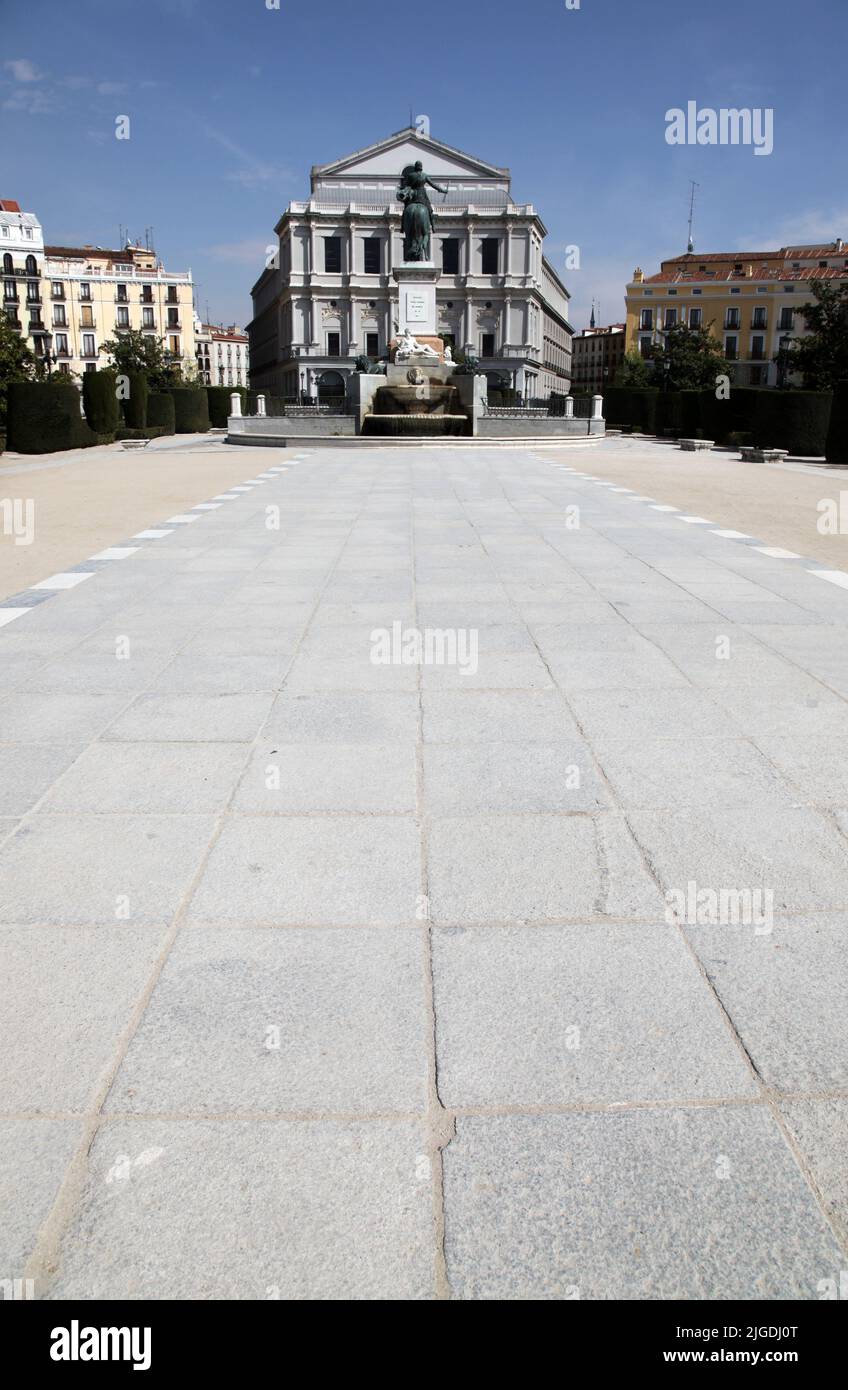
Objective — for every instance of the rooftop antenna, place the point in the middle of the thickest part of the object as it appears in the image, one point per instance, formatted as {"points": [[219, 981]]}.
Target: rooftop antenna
{"points": [[692, 186]]}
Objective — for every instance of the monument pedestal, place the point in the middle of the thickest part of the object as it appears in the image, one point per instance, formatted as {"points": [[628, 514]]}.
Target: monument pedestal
{"points": [[416, 282]]}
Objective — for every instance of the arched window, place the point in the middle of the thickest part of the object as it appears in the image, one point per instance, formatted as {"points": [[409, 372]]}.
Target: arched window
{"points": [[31, 265], [331, 388], [7, 264]]}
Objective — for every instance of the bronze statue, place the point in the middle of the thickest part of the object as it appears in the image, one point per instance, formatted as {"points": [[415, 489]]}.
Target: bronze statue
{"points": [[417, 221]]}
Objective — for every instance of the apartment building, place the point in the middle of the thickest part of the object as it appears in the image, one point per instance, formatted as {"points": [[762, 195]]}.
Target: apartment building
{"points": [[91, 294], [597, 354], [223, 357], [22, 249], [749, 300]]}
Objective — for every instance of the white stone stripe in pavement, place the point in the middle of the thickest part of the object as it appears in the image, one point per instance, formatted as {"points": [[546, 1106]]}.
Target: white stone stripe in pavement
{"points": [[833, 577], [63, 581], [732, 535], [116, 552], [776, 552], [8, 615], [151, 535], [181, 520]]}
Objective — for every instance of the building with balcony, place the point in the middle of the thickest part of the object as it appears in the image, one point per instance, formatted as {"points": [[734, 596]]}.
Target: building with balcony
{"points": [[222, 354], [597, 354], [91, 295], [22, 251], [748, 299], [327, 294]]}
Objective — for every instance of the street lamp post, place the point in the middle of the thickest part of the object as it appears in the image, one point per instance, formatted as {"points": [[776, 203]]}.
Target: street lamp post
{"points": [[49, 358]]}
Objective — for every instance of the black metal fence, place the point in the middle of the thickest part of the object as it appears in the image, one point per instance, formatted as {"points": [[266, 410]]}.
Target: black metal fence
{"points": [[540, 407], [297, 407]]}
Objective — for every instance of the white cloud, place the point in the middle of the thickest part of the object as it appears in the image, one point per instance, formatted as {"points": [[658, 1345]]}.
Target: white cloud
{"points": [[23, 70], [814, 225], [252, 171], [111, 89]]}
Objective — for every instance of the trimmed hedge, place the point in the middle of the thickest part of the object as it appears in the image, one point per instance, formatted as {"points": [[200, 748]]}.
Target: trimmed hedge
{"points": [[135, 404], [191, 409], [100, 402], [218, 398], [836, 447], [160, 412], [793, 420], [43, 419], [735, 415], [149, 432], [631, 405]]}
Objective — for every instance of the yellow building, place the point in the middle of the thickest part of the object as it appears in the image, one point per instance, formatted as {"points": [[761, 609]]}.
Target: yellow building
{"points": [[748, 299], [91, 294]]}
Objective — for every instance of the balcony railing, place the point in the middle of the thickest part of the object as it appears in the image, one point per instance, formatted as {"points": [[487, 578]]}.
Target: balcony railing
{"points": [[731, 354], [757, 355], [10, 297], [731, 323], [88, 323]]}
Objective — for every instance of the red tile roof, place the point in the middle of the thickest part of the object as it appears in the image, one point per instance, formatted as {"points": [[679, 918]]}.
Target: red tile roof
{"points": [[9, 205]]}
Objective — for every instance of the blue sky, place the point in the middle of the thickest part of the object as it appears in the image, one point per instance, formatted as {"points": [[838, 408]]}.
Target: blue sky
{"points": [[230, 102]]}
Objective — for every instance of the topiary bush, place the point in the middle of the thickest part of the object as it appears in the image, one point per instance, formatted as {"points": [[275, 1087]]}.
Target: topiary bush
{"points": [[793, 420], [836, 445], [634, 406], [160, 412], [191, 409], [43, 419], [219, 403], [100, 402], [149, 432], [135, 404]]}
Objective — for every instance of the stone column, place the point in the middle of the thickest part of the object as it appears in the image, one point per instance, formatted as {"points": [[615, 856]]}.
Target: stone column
{"points": [[569, 407], [235, 403], [260, 405], [597, 407], [506, 325]]}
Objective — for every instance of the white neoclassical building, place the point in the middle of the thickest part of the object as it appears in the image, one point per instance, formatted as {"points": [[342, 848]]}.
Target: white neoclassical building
{"points": [[327, 294]]}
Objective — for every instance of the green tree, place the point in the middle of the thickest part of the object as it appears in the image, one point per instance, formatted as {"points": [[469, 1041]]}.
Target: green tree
{"points": [[689, 359], [634, 371], [822, 356], [134, 351], [17, 362]]}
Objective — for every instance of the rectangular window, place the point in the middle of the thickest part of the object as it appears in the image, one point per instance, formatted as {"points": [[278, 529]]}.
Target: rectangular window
{"points": [[372, 344], [147, 318], [62, 344], [334, 344], [59, 314], [58, 289], [121, 293], [670, 318], [173, 318], [123, 318], [785, 319], [450, 256], [758, 344], [172, 297], [85, 316], [695, 317], [333, 255], [10, 289], [758, 319], [174, 346], [487, 345], [731, 318], [646, 319], [373, 259], [85, 290], [88, 344], [730, 346], [489, 254], [91, 366]]}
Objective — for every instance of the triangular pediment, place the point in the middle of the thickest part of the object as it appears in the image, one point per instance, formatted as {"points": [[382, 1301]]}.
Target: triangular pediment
{"points": [[386, 159]]}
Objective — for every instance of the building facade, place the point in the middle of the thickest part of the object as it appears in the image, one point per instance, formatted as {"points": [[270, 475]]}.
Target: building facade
{"points": [[597, 354], [749, 300], [327, 294], [92, 294], [22, 249], [222, 354]]}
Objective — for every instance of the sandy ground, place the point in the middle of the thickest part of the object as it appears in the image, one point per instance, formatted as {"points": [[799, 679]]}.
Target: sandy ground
{"points": [[774, 502], [88, 499]]}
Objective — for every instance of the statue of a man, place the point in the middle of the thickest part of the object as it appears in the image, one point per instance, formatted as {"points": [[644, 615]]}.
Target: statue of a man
{"points": [[417, 221]]}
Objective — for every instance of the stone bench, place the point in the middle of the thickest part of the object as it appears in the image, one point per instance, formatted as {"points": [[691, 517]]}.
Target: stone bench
{"points": [[134, 443], [692, 445], [749, 454]]}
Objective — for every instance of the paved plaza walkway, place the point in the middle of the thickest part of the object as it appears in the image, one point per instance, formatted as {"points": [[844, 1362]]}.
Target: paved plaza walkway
{"points": [[520, 973]]}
